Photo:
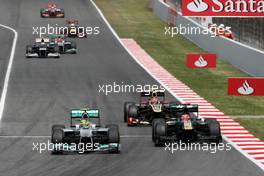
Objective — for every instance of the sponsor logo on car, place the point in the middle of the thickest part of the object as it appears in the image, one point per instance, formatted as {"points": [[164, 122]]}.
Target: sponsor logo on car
{"points": [[201, 60], [246, 86], [223, 8]]}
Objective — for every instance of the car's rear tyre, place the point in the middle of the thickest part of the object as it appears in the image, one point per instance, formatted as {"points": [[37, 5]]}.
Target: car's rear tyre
{"points": [[57, 133], [159, 131], [73, 45], [41, 11], [63, 12], [154, 123], [214, 129], [113, 133], [133, 111], [113, 136], [57, 136], [28, 49], [132, 114], [126, 108]]}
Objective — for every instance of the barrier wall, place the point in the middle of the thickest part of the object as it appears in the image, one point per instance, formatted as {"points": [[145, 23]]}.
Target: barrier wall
{"points": [[248, 59], [160, 8]]}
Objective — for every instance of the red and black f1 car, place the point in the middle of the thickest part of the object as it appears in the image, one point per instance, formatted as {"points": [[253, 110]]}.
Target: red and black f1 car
{"points": [[152, 105], [52, 11]]}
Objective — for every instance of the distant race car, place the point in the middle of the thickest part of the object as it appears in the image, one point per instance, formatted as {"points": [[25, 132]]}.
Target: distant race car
{"points": [[73, 29], [65, 46], [152, 105], [42, 49], [185, 125], [221, 30], [52, 11], [85, 128]]}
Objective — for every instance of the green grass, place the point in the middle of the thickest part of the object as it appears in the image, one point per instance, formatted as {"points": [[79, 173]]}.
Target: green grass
{"points": [[133, 19], [255, 126]]}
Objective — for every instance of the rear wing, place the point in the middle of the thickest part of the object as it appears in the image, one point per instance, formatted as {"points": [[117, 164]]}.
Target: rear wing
{"points": [[183, 108], [78, 113], [39, 40], [72, 21]]}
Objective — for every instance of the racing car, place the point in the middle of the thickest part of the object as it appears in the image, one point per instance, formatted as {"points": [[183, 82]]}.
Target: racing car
{"points": [[73, 29], [184, 124], [151, 105], [85, 128], [42, 49], [65, 46], [221, 30], [52, 11]]}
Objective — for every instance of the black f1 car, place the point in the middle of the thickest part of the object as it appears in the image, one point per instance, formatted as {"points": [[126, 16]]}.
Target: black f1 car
{"points": [[152, 105], [185, 125], [85, 134], [42, 49], [52, 11]]}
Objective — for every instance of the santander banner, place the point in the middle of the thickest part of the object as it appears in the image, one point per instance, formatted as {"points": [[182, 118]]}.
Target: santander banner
{"points": [[236, 8], [201, 60], [246, 86]]}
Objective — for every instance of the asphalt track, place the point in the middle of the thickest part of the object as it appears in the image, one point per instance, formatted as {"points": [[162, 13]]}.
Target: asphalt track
{"points": [[42, 91], [6, 37]]}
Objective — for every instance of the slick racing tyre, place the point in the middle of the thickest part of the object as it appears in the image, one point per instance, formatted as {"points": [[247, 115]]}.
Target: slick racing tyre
{"points": [[133, 111], [74, 46], [57, 134], [126, 108], [113, 136], [28, 49], [214, 129], [154, 123], [132, 114], [41, 11], [159, 131], [63, 12]]}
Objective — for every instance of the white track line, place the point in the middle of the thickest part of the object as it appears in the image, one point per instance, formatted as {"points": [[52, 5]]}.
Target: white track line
{"points": [[8, 71], [10, 137], [167, 87]]}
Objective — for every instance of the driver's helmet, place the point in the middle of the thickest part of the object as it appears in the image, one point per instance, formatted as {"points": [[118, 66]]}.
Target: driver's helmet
{"points": [[154, 98], [185, 116], [84, 123], [59, 39]]}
